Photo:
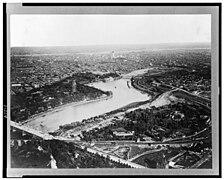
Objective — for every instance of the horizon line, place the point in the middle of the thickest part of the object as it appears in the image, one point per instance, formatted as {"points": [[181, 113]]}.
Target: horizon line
{"points": [[209, 43]]}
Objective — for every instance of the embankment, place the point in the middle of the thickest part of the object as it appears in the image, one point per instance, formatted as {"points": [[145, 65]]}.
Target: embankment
{"points": [[59, 108]]}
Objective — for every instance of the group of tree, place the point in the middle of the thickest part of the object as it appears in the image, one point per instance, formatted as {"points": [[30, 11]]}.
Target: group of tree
{"points": [[157, 123], [36, 154]]}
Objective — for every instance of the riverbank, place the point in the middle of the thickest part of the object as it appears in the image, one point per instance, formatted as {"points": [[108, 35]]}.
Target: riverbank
{"points": [[124, 98], [97, 121], [59, 108]]}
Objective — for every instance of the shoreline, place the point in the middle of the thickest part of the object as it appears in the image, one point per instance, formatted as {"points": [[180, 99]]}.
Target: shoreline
{"points": [[60, 108], [109, 114]]}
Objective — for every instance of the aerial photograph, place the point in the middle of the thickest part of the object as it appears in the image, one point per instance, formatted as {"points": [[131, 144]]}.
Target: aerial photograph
{"points": [[110, 91]]}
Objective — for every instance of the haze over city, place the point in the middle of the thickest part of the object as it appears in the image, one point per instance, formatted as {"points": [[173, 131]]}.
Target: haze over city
{"points": [[75, 30]]}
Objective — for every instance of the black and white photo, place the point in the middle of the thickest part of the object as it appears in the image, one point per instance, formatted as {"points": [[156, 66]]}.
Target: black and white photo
{"points": [[129, 89]]}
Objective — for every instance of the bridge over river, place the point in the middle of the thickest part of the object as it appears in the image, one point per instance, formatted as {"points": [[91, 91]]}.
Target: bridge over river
{"points": [[45, 136]]}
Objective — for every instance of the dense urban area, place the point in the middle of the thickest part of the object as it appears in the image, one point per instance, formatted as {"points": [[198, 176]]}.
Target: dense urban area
{"points": [[170, 129]]}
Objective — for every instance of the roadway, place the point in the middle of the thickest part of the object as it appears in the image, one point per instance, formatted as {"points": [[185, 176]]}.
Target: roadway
{"points": [[89, 149], [114, 158]]}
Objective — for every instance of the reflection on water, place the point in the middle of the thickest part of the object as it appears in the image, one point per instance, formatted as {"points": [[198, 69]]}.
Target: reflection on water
{"points": [[122, 95]]}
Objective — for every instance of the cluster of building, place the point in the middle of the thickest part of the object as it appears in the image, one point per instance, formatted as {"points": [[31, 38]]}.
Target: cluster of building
{"points": [[198, 81], [33, 71]]}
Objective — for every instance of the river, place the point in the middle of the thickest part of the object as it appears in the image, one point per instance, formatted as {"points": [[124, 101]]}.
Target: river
{"points": [[122, 95]]}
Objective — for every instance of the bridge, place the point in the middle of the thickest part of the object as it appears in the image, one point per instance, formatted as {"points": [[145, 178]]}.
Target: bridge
{"points": [[42, 135], [45, 136], [31, 131]]}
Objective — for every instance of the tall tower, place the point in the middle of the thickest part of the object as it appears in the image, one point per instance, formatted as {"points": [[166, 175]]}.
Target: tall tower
{"points": [[74, 86], [112, 55]]}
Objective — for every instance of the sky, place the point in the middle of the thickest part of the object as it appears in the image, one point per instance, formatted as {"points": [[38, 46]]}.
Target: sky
{"points": [[76, 30]]}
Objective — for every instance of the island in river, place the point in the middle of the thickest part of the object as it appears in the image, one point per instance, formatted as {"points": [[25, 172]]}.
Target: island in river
{"points": [[122, 95]]}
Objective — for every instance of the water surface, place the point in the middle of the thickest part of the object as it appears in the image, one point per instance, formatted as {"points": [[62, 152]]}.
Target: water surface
{"points": [[122, 95]]}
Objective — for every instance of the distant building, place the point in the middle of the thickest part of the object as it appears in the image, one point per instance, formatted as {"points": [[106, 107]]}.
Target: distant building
{"points": [[121, 132], [113, 55]]}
